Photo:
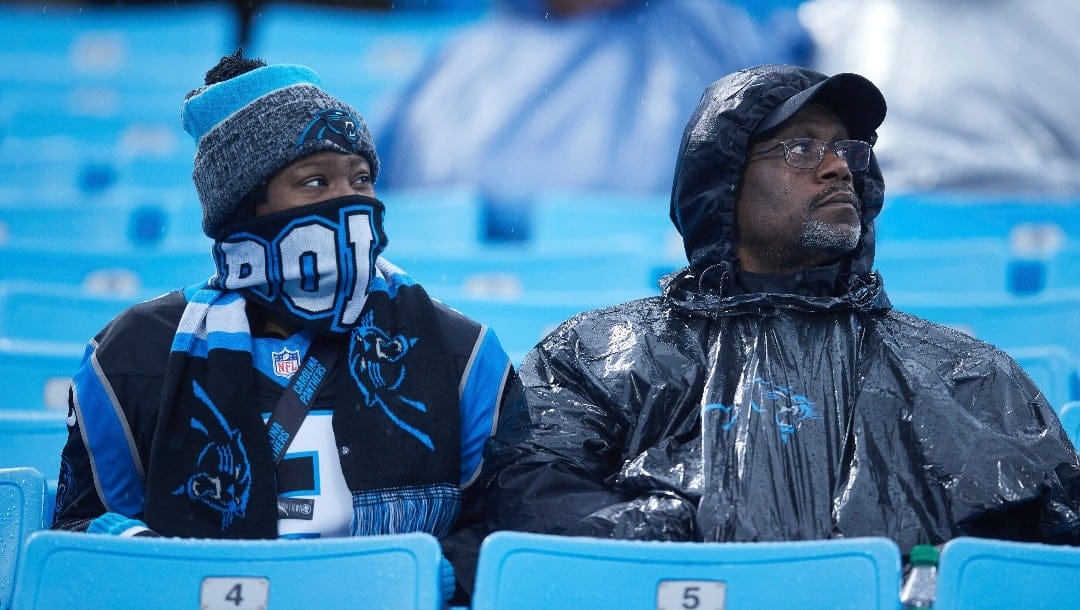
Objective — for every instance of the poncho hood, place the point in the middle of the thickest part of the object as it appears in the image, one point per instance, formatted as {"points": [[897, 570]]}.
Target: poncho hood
{"points": [[710, 162]]}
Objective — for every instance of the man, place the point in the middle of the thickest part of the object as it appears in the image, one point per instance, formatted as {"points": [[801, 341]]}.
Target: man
{"points": [[771, 392], [310, 388]]}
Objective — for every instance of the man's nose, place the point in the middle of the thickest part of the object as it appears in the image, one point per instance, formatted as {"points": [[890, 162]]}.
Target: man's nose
{"points": [[834, 167]]}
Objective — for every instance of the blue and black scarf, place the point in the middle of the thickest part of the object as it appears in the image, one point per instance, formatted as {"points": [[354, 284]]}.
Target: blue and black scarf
{"points": [[395, 396]]}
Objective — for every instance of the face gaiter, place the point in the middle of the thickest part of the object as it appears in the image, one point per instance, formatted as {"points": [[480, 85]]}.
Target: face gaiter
{"points": [[311, 264]]}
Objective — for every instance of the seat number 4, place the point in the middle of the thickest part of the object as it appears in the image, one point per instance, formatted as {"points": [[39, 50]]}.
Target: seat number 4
{"points": [[234, 593]]}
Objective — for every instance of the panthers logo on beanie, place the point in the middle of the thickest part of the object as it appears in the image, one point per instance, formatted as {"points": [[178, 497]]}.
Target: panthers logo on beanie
{"points": [[337, 126]]}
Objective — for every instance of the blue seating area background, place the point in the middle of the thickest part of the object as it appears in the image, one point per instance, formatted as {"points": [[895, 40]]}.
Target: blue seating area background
{"points": [[97, 212]]}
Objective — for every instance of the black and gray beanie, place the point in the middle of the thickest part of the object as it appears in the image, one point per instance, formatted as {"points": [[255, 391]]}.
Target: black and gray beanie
{"points": [[249, 127]]}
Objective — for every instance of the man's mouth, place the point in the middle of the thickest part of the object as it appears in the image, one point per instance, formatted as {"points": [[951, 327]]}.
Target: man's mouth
{"points": [[840, 197]]}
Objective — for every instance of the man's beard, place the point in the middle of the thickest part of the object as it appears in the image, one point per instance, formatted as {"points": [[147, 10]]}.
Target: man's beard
{"points": [[830, 239]]}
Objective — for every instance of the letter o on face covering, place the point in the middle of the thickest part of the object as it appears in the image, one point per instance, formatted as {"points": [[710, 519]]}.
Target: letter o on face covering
{"points": [[308, 256]]}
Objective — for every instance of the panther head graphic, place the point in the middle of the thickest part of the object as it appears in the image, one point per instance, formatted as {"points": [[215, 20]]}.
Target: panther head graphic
{"points": [[222, 473], [377, 363], [336, 126]]}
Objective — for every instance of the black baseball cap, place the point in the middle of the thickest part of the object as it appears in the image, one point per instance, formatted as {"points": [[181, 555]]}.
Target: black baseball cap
{"points": [[858, 103]]}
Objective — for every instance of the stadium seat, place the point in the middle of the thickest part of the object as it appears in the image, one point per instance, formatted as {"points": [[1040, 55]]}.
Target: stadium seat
{"points": [[32, 439], [521, 323], [423, 220], [514, 271], [22, 504], [365, 57], [91, 92], [979, 266], [523, 571], [64, 570], [1070, 420], [943, 216], [1063, 269], [171, 45], [60, 313], [1047, 318], [582, 216], [155, 220], [106, 270], [34, 375], [983, 574], [1053, 368]]}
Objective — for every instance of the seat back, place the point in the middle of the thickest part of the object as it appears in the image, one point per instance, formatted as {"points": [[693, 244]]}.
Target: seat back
{"points": [[340, 43], [535, 571], [36, 374], [1070, 420], [398, 572], [426, 220], [61, 313], [32, 439], [949, 266], [1049, 318], [1053, 368], [22, 507], [521, 323], [983, 574]]}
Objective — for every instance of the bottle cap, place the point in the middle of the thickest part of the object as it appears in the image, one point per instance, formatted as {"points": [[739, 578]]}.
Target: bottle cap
{"points": [[924, 554]]}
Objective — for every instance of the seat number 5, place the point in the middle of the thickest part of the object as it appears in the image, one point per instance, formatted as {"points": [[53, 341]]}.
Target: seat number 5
{"points": [[691, 595], [234, 593]]}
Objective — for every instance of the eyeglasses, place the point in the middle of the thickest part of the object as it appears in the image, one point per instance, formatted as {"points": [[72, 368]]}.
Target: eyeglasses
{"points": [[808, 153]]}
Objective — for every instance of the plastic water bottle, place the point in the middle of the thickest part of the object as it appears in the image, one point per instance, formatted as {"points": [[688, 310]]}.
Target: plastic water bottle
{"points": [[921, 584]]}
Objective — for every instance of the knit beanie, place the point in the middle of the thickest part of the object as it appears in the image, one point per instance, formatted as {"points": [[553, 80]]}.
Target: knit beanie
{"points": [[250, 126]]}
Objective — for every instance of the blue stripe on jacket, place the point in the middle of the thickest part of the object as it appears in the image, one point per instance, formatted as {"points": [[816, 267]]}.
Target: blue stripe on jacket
{"points": [[117, 471], [483, 388]]}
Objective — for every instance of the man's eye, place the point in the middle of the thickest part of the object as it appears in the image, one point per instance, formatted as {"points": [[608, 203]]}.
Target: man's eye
{"points": [[799, 148]]}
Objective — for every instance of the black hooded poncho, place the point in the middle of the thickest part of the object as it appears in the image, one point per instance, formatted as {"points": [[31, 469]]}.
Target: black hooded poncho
{"points": [[718, 415]]}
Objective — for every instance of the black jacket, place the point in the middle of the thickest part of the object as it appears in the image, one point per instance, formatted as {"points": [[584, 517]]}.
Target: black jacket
{"points": [[714, 413]]}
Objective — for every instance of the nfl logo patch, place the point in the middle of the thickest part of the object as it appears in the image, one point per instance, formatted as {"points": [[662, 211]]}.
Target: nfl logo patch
{"points": [[286, 362]]}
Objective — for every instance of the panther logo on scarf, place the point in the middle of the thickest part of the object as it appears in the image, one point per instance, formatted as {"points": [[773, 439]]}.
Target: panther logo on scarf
{"points": [[377, 364], [222, 479]]}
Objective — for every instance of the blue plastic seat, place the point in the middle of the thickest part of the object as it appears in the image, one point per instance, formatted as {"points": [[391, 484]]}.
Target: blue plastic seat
{"points": [[540, 572], [983, 574], [64, 570], [120, 269], [32, 439], [143, 223], [568, 216], [22, 504], [59, 313], [101, 84], [511, 271], [521, 323], [1070, 420], [1063, 269], [1053, 368], [1047, 318], [426, 220], [366, 57], [163, 44], [35, 375], [944, 266], [937, 215]]}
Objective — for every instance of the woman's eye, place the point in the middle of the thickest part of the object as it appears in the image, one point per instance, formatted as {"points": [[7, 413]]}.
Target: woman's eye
{"points": [[315, 181], [799, 148], [362, 179]]}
